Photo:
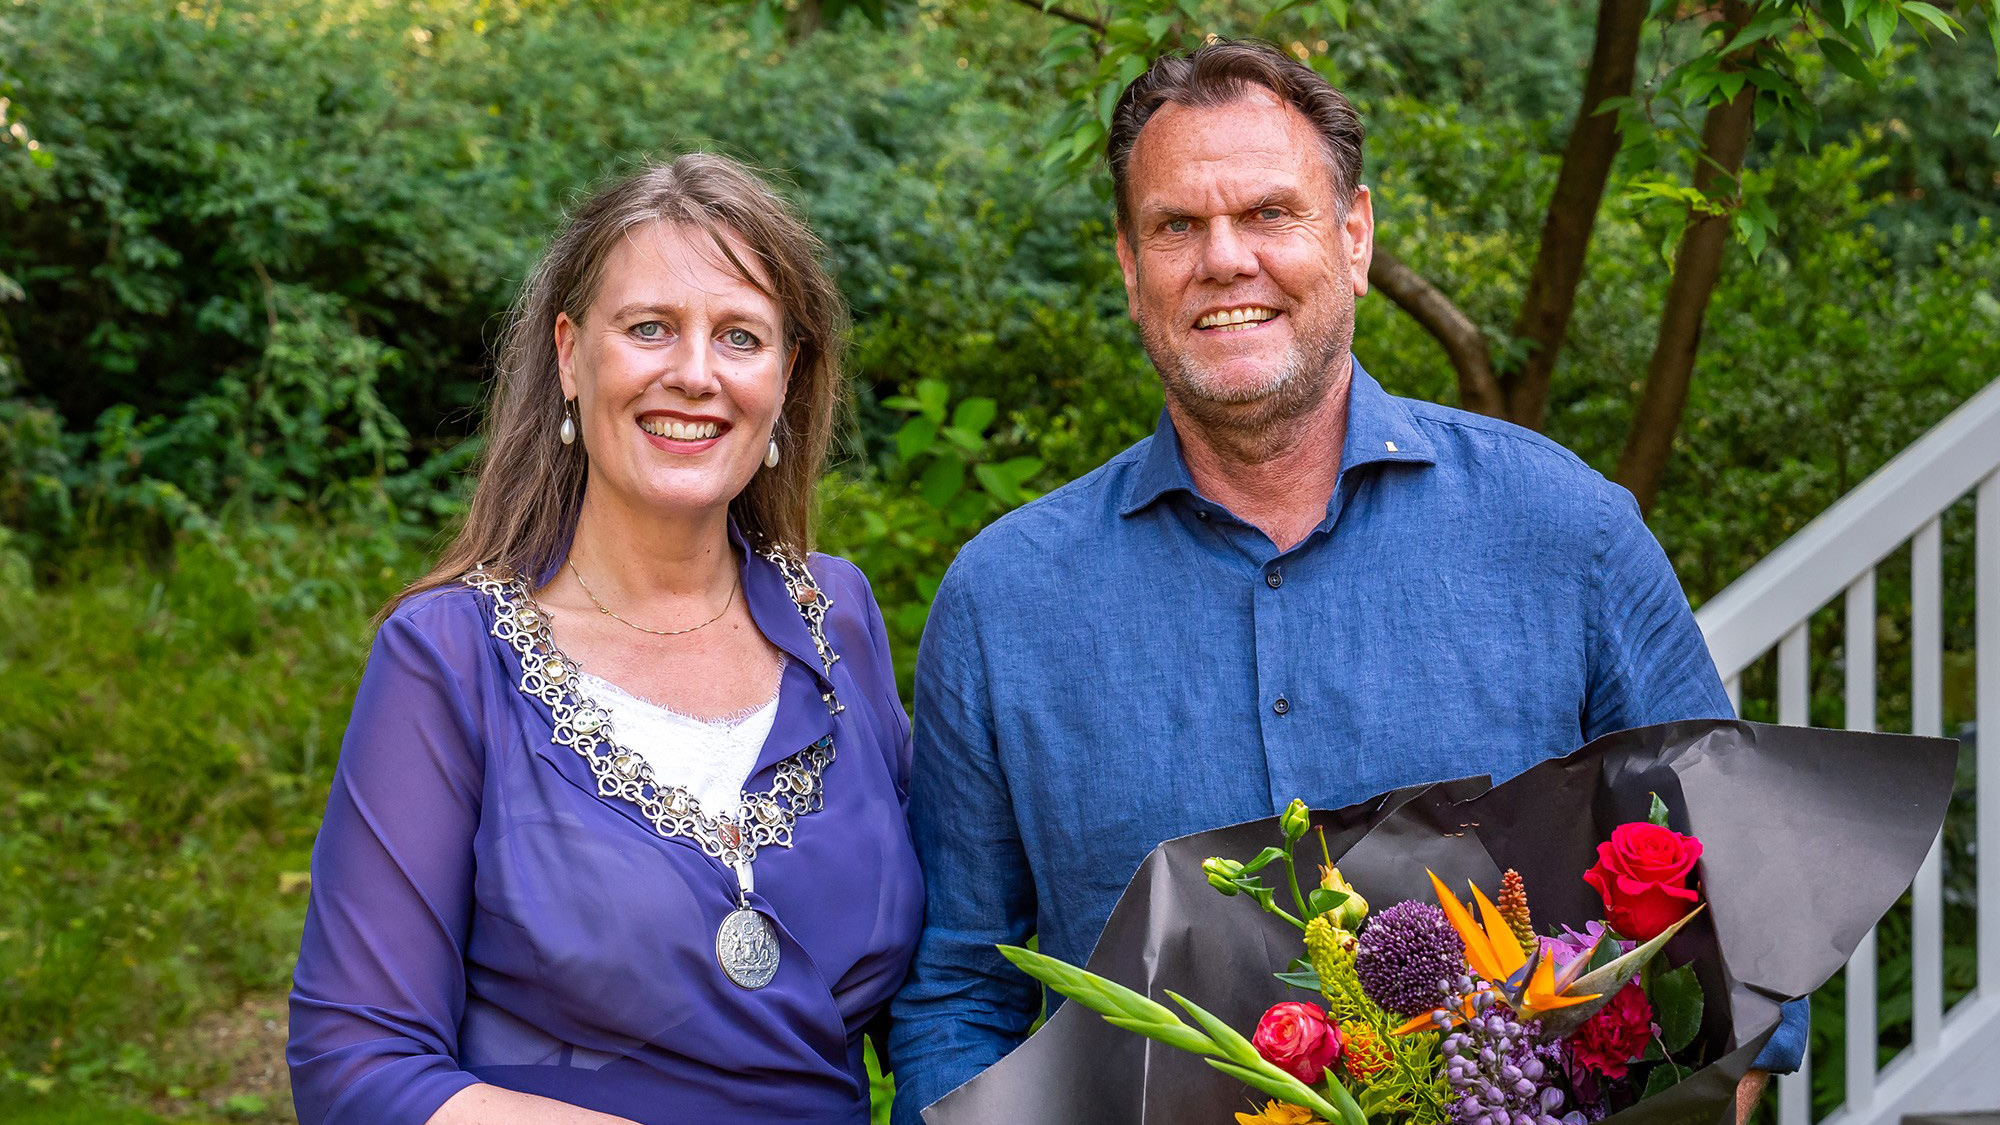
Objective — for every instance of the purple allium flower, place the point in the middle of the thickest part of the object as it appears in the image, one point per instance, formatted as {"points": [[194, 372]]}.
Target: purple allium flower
{"points": [[1408, 958]]}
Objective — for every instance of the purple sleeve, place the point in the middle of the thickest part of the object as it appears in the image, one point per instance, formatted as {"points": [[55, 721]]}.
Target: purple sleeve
{"points": [[380, 984]]}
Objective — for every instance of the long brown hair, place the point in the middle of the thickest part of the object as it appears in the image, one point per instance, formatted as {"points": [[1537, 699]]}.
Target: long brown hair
{"points": [[530, 485]]}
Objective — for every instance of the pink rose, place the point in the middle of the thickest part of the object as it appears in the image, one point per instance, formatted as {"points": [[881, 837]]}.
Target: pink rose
{"points": [[1298, 1039], [1642, 875]]}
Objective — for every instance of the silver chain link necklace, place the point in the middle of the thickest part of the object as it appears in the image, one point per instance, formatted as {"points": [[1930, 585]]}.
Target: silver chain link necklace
{"points": [[746, 944]]}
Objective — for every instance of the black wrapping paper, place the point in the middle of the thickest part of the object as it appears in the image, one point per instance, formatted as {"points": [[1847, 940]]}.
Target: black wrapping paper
{"points": [[1808, 837]]}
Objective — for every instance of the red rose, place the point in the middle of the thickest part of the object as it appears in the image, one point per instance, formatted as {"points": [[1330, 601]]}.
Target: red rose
{"points": [[1298, 1039], [1642, 874]]}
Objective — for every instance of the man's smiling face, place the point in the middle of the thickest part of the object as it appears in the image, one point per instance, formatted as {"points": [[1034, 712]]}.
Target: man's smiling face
{"points": [[1241, 268]]}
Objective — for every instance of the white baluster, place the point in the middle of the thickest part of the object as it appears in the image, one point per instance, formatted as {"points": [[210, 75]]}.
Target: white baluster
{"points": [[1986, 642], [1794, 1090], [1860, 1029], [1927, 718]]}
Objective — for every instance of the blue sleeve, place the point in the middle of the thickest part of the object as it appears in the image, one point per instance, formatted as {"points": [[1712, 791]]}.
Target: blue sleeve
{"points": [[1650, 664], [1648, 660], [963, 1006], [380, 983]]}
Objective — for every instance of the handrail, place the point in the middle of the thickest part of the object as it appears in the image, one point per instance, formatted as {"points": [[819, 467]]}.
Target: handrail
{"points": [[1812, 567], [1772, 606]]}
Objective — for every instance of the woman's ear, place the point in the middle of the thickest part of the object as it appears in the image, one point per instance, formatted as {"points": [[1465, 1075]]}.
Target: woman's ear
{"points": [[565, 349]]}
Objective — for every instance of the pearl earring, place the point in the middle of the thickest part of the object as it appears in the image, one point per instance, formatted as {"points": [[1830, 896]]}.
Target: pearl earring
{"points": [[567, 432], [771, 455]]}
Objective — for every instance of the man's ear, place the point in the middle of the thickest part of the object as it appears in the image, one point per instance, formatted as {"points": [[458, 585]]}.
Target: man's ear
{"points": [[1358, 231], [565, 349], [1128, 264]]}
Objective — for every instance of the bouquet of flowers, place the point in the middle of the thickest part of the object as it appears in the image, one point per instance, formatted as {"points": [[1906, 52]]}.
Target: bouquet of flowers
{"points": [[1608, 935], [1435, 1016]]}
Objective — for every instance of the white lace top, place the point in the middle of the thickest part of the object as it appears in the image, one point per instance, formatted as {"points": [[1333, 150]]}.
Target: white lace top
{"points": [[710, 758]]}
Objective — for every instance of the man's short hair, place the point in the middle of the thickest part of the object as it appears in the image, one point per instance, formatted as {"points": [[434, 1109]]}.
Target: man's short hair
{"points": [[1221, 72]]}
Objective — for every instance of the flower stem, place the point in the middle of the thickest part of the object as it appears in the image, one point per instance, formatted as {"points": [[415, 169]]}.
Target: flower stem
{"points": [[1292, 874]]}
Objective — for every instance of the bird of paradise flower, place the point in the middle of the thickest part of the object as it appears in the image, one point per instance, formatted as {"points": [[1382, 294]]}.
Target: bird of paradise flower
{"points": [[1563, 997]]}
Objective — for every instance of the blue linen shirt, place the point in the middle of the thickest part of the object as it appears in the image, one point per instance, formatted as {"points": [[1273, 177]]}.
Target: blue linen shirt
{"points": [[1124, 661]]}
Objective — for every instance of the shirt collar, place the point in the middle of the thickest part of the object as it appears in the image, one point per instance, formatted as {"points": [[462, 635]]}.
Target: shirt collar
{"points": [[775, 609], [1379, 428]]}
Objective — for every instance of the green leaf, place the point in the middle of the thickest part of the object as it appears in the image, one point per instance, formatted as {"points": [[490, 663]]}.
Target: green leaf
{"points": [[965, 439], [1931, 15], [1350, 1113], [1264, 859], [1664, 1077], [933, 395], [974, 415], [1107, 103], [1843, 59], [1677, 1004], [1321, 900], [1658, 813], [1306, 978], [1279, 1085], [942, 481], [996, 483], [1234, 1046], [1881, 26], [915, 437], [1020, 470], [1129, 68]]}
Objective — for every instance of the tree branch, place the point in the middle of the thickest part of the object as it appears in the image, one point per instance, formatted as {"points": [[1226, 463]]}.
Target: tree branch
{"points": [[1573, 207], [1065, 14], [1461, 339], [1725, 139]]}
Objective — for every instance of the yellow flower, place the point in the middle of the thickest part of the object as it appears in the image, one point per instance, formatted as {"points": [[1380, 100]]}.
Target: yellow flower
{"points": [[1280, 1113]]}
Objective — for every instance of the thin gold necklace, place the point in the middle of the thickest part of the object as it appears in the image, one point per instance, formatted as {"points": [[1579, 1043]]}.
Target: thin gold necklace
{"points": [[606, 610]]}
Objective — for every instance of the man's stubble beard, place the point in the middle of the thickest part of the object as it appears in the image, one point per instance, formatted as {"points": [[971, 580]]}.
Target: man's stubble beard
{"points": [[1258, 421]]}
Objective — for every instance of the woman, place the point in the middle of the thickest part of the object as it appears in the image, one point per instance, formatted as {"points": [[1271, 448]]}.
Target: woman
{"points": [[617, 830]]}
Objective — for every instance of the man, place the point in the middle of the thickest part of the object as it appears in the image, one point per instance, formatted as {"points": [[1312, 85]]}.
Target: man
{"points": [[1298, 586]]}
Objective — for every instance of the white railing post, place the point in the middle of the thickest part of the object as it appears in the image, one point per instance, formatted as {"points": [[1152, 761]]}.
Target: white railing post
{"points": [[1986, 688], [1927, 717], [1794, 697], [1861, 1029]]}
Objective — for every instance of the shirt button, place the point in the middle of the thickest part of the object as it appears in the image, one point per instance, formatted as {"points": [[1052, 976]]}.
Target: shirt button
{"points": [[1201, 513], [1282, 705], [1274, 579]]}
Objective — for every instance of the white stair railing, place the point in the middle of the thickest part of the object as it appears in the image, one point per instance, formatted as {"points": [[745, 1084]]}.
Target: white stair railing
{"points": [[1953, 1062]]}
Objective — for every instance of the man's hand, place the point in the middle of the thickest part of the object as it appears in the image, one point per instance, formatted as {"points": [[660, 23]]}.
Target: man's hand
{"points": [[1748, 1091]]}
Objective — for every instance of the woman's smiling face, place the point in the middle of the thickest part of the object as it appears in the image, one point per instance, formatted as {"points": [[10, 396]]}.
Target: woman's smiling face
{"points": [[678, 371]]}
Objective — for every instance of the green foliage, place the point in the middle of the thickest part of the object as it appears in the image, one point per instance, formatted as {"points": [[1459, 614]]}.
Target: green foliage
{"points": [[255, 253], [170, 735]]}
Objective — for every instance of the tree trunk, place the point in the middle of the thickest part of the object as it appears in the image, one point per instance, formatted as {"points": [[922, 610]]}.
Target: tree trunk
{"points": [[806, 20], [1471, 356], [1579, 193], [1725, 138]]}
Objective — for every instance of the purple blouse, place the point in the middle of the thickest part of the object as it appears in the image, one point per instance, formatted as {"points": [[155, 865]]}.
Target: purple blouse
{"points": [[480, 913]]}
